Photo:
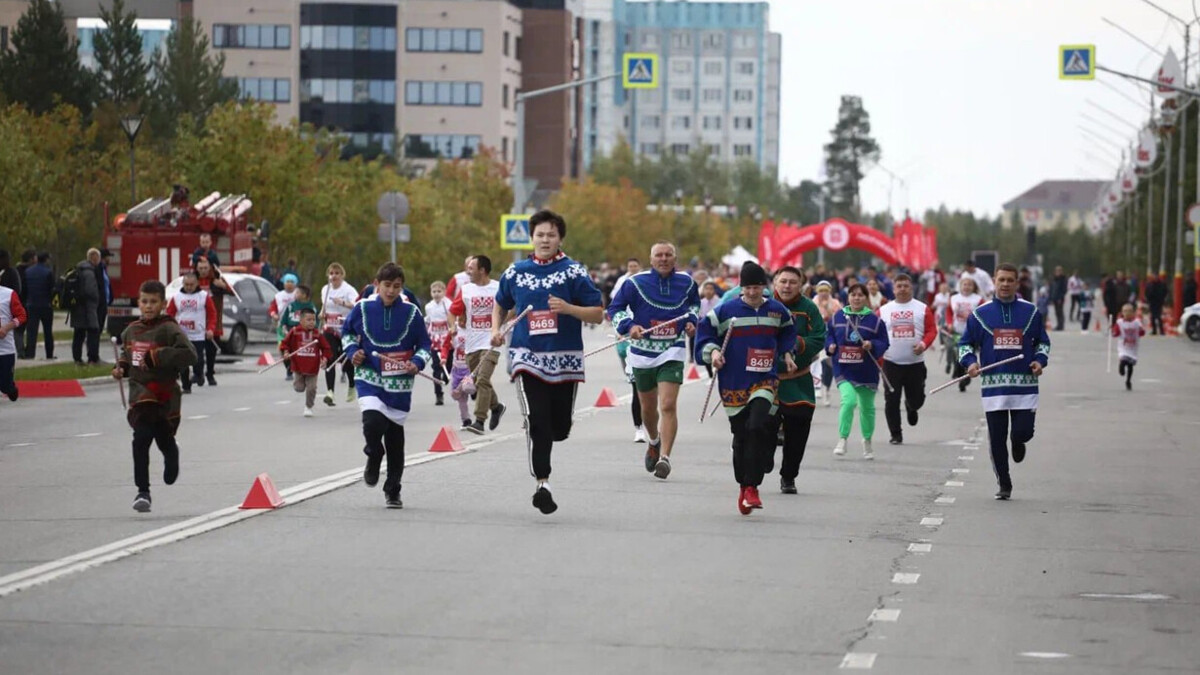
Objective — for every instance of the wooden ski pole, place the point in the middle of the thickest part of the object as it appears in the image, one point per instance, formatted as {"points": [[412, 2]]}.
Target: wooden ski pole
{"points": [[120, 381], [967, 377], [626, 337], [389, 359], [288, 356], [713, 383]]}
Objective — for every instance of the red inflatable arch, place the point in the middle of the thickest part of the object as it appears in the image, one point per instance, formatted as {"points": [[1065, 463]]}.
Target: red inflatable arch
{"points": [[834, 234]]}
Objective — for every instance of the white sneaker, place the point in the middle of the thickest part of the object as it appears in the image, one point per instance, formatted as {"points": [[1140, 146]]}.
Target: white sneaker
{"points": [[828, 398], [867, 454], [839, 450], [639, 436], [308, 412], [350, 395]]}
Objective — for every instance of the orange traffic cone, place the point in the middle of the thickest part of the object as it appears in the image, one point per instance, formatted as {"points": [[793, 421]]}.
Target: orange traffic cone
{"points": [[262, 494], [266, 359], [446, 441], [693, 373], [607, 399]]}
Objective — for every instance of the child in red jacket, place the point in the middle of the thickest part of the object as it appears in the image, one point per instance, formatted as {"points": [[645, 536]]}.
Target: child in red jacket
{"points": [[309, 352]]}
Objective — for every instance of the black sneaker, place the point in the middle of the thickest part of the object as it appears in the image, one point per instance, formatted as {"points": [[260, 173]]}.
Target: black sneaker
{"points": [[371, 472], [1128, 386], [439, 400], [198, 380], [392, 500], [475, 427], [497, 413], [14, 393], [543, 501], [652, 454], [171, 465], [141, 503], [912, 417], [188, 389], [465, 424], [1018, 452], [896, 440], [212, 381], [1003, 495], [787, 486]]}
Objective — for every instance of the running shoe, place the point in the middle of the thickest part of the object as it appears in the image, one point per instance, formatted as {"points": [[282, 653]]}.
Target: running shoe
{"points": [[652, 454], [752, 498], [329, 399], [912, 417], [350, 395], [787, 486], [543, 501], [212, 381], [1018, 452], [475, 427], [839, 450], [497, 413], [743, 506], [867, 453], [828, 400], [896, 440], [371, 472], [662, 468], [392, 500], [639, 435], [308, 412], [1003, 495], [465, 423], [141, 503]]}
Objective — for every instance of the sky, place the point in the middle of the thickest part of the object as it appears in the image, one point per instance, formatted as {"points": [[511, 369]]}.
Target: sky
{"points": [[964, 95]]}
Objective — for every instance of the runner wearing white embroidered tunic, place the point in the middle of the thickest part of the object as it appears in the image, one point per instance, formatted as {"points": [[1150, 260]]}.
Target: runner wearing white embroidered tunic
{"points": [[337, 299], [473, 307]]}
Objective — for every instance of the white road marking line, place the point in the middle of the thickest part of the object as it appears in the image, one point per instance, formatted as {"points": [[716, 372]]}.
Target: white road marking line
{"points": [[884, 615], [967, 458], [858, 661], [283, 402], [198, 417], [1045, 655], [240, 409], [1126, 596], [960, 471], [954, 483], [932, 522], [945, 500], [19, 445], [955, 443], [88, 435], [905, 577], [1149, 380], [920, 548]]}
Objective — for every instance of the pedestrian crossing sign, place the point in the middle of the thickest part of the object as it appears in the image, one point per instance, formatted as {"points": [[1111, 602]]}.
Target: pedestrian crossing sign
{"points": [[514, 232], [1077, 62], [640, 71]]}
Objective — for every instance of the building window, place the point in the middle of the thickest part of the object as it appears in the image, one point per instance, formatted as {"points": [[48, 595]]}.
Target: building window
{"points": [[649, 40], [265, 89], [468, 40], [443, 93], [252, 36], [506, 43], [681, 95], [440, 146], [649, 97], [743, 41], [625, 124], [712, 95], [743, 95], [714, 40], [744, 67], [517, 48], [650, 148], [651, 122], [712, 122], [348, 38], [712, 150], [681, 66], [348, 91], [680, 149], [743, 123], [681, 39], [504, 148], [743, 150], [714, 68], [681, 122], [504, 96]]}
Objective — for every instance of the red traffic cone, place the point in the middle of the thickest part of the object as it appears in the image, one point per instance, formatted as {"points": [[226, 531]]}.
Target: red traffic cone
{"points": [[446, 441], [262, 494], [693, 373], [266, 359], [607, 398]]}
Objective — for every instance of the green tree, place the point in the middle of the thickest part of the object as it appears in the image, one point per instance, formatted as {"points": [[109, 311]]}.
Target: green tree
{"points": [[122, 74], [851, 149], [187, 79], [42, 68]]}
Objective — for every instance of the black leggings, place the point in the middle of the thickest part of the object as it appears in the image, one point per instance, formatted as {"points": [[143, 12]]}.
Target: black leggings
{"points": [[335, 348], [907, 380], [636, 407], [150, 429], [548, 410], [754, 432], [797, 422], [385, 437], [998, 433]]}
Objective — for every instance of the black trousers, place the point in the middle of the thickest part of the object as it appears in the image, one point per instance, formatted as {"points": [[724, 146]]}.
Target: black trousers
{"points": [[999, 423], [384, 438], [92, 336], [1075, 304], [1085, 316], [548, 410], [45, 317], [335, 346], [438, 371], [1156, 324], [150, 428], [907, 380], [1059, 319], [754, 433], [797, 423]]}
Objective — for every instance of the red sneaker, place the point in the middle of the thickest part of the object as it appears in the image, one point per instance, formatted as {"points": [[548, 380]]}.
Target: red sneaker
{"points": [[743, 505], [752, 499]]}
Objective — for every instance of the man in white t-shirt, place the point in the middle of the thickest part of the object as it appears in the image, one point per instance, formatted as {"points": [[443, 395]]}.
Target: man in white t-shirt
{"points": [[337, 299], [911, 330], [473, 309], [983, 281]]}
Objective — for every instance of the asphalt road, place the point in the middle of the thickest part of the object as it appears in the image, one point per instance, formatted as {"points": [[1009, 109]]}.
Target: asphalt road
{"points": [[887, 565]]}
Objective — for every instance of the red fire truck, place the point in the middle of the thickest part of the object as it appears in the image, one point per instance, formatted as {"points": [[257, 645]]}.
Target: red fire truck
{"points": [[156, 238]]}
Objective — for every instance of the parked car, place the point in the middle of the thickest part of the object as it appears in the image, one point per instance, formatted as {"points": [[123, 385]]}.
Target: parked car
{"points": [[1191, 322], [248, 320]]}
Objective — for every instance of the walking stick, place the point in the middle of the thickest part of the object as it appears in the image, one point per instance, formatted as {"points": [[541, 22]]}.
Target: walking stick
{"points": [[335, 362], [503, 333], [708, 397], [288, 356], [389, 359], [626, 337], [886, 384], [1108, 361], [966, 377], [120, 381]]}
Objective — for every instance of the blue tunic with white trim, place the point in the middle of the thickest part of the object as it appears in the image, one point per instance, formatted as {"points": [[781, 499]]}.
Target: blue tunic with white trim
{"points": [[998, 330], [755, 352], [397, 331], [647, 299]]}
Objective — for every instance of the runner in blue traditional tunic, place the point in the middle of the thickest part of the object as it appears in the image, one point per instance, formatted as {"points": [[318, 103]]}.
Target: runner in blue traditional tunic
{"points": [[394, 329], [656, 353], [546, 352]]}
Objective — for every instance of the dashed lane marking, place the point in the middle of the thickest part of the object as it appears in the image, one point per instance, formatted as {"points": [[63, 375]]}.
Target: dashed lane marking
{"points": [[967, 458], [945, 500], [858, 661], [905, 577], [91, 434], [932, 522], [1045, 655], [960, 471], [240, 409], [19, 445], [920, 548], [890, 615], [198, 417], [954, 483], [283, 402]]}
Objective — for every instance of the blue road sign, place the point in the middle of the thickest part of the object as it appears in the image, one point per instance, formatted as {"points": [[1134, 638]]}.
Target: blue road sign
{"points": [[1077, 62], [640, 71], [514, 232]]}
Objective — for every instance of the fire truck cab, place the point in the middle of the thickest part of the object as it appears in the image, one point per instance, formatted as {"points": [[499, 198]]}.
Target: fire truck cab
{"points": [[156, 238]]}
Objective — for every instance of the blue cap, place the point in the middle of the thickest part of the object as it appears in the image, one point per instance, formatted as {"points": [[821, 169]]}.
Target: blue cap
{"points": [[290, 277]]}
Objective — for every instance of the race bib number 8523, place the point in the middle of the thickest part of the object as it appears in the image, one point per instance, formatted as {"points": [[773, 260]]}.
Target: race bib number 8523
{"points": [[1007, 338]]}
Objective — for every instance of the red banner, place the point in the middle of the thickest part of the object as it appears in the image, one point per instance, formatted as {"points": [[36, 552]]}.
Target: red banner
{"points": [[914, 245]]}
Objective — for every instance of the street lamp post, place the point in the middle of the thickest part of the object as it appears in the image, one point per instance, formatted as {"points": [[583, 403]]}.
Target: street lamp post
{"points": [[132, 124]]}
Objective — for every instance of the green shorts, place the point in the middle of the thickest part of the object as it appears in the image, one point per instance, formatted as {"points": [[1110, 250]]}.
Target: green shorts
{"points": [[647, 379]]}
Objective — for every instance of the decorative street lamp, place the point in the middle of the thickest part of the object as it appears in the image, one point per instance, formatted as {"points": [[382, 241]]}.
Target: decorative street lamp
{"points": [[132, 124]]}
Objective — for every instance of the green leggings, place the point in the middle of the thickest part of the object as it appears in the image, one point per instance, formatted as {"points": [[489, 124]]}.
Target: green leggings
{"points": [[863, 398]]}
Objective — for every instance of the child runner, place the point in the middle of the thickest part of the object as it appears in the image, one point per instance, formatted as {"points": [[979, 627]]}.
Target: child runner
{"points": [[1086, 300], [194, 311], [307, 358], [394, 329], [828, 306], [856, 339], [454, 352], [761, 335], [961, 305], [337, 299], [437, 323], [12, 315], [212, 282], [283, 300], [546, 351], [153, 353], [1129, 330]]}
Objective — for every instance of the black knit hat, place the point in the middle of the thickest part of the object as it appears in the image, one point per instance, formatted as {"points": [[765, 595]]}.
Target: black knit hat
{"points": [[753, 275]]}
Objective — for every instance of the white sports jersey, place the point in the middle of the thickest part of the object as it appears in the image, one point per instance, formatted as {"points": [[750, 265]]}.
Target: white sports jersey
{"points": [[477, 302], [437, 322], [336, 303], [1129, 336], [282, 300], [191, 313], [961, 307], [907, 324]]}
